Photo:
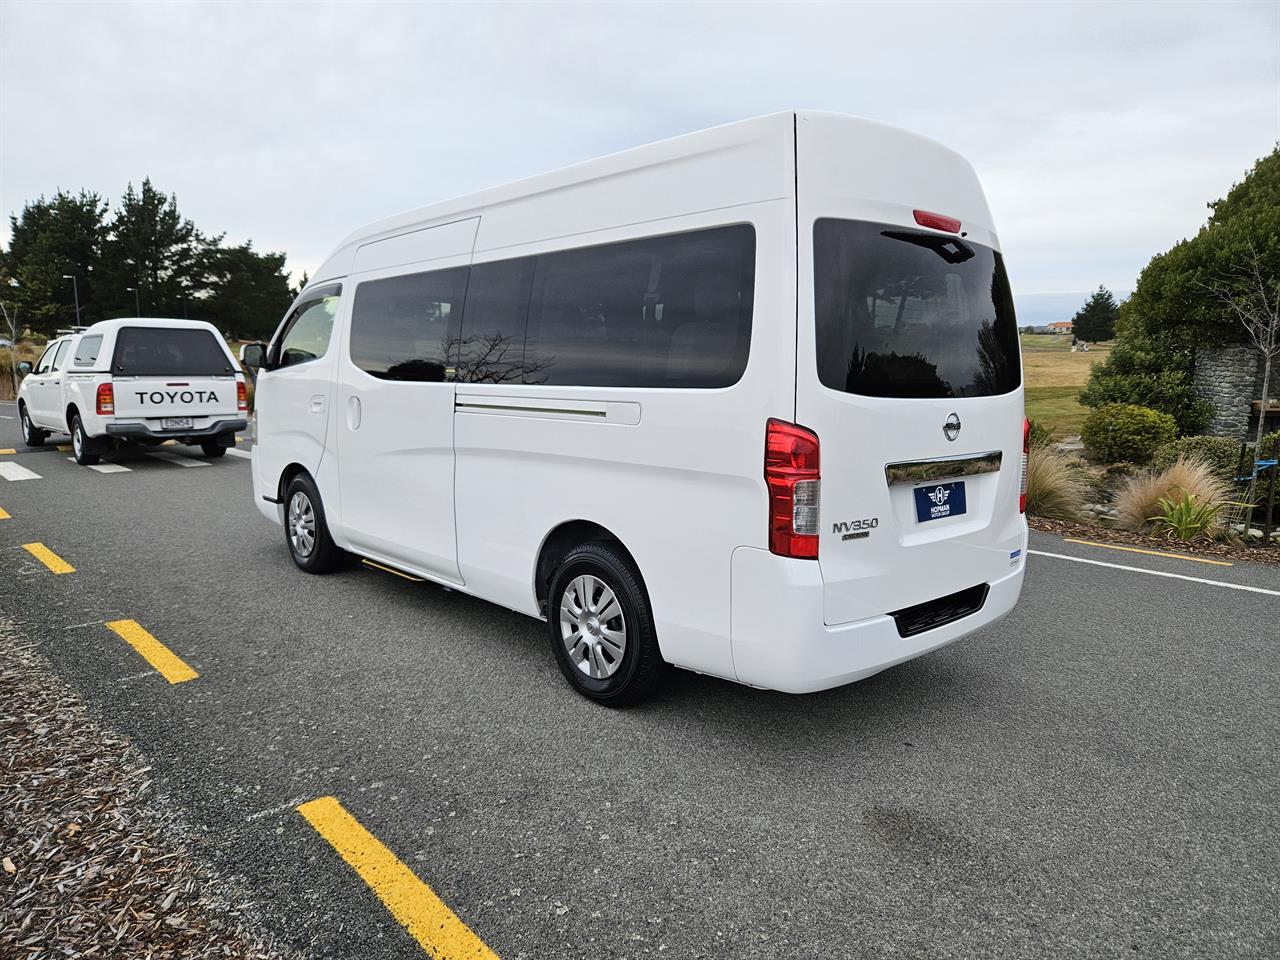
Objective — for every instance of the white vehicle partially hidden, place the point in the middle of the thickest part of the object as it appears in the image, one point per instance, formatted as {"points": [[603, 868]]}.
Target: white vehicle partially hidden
{"points": [[135, 381]]}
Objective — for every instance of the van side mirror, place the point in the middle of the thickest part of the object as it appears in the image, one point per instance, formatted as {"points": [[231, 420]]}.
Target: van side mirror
{"points": [[24, 368], [253, 355]]}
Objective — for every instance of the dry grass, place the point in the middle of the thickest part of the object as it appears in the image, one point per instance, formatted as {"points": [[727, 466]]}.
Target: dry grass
{"points": [[1055, 486], [1138, 500]]}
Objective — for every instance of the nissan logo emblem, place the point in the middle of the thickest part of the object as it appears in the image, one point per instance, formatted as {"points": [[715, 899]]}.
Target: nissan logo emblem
{"points": [[952, 427]]}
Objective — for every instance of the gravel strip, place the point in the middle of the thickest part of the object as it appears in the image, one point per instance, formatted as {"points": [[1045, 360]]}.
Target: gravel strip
{"points": [[1202, 548], [89, 867]]}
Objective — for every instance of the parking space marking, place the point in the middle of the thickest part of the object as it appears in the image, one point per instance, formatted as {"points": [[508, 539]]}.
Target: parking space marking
{"points": [[1149, 553], [172, 667], [1158, 573], [106, 467], [233, 452], [415, 905], [64, 447], [7, 450], [15, 471], [48, 558], [5, 515], [177, 458]]}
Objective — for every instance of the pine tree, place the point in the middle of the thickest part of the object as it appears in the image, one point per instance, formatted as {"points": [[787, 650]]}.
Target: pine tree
{"points": [[1096, 320]]}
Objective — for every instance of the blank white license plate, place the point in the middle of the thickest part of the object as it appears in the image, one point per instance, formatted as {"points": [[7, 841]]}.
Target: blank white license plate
{"points": [[175, 423]]}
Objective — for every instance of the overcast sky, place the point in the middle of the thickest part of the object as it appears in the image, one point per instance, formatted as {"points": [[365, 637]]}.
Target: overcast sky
{"points": [[1099, 130]]}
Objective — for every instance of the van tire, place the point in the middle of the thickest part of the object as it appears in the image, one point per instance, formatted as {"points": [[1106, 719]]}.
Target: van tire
{"points": [[306, 532], [32, 435], [80, 443], [640, 667], [212, 449]]}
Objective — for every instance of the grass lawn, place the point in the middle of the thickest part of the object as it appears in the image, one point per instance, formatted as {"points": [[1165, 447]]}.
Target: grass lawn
{"points": [[1054, 378]]}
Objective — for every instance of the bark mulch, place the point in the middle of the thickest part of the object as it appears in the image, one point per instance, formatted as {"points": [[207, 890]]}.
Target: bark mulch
{"points": [[1199, 548], [89, 867]]}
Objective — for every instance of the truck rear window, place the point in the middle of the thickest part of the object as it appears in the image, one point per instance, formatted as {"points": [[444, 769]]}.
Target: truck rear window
{"points": [[169, 352], [910, 313]]}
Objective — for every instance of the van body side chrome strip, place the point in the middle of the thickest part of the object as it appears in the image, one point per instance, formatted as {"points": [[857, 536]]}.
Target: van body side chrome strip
{"points": [[942, 468]]}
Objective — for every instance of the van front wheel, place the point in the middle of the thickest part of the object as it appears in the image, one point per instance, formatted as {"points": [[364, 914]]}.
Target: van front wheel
{"points": [[601, 626], [305, 531]]}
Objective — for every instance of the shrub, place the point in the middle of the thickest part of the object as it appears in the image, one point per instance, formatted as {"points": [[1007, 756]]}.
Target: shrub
{"points": [[1185, 518], [1220, 453], [1040, 435], [1124, 431], [1055, 488], [1270, 446], [1138, 500]]}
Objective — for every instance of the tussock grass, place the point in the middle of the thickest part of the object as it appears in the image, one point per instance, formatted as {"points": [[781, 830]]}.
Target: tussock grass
{"points": [[1055, 487], [1139, 499]]}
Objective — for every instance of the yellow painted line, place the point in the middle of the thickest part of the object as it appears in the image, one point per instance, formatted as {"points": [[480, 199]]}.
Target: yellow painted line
{"points": [[172, 667], [428, 920], [406, 576], [48, 558], [4, 514], [1150, 553], [7, 450], [64, 447]]}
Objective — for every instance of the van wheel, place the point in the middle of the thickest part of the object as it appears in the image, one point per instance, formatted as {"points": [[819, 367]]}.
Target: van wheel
{"points": [[212, 449], [305, 531], [80, 444], [32, 435], [601, 626]]}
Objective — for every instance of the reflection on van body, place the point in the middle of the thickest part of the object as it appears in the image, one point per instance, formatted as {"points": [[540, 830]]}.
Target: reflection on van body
{"points": [[654, 400]]}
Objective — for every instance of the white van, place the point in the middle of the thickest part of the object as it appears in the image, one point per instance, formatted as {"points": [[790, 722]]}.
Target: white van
{"points": [[134, 381], [748, 402]]}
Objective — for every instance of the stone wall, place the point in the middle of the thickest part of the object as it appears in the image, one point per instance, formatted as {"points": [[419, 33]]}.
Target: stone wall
{"points": [[1230, 378]]}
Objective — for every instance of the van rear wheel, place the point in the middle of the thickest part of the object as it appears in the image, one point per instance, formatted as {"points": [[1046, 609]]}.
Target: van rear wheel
{"points": [[80, 443], [305, 531], [601, 627]]}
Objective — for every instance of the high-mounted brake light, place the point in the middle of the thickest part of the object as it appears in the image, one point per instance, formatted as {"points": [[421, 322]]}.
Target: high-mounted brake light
{"points": [[242, 396], [791, 472], [106, 400], [937, 221], [1026, 456]]}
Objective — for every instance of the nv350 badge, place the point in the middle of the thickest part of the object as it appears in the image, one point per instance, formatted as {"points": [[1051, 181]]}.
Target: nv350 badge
{"points": [[855, 529]]}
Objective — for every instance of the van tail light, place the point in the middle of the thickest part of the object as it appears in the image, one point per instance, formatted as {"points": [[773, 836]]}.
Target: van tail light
{"points": [[791, 472], [937, 221], [242, 396], [1026, 456], [106, 400]]}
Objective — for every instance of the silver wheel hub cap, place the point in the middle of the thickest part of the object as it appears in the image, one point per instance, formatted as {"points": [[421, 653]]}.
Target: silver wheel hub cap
{"points": [[592, 627], [302, 524], [77, 439]]}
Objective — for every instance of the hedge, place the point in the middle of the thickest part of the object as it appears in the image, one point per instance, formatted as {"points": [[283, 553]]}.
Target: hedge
{"points": [[1125, 431]]}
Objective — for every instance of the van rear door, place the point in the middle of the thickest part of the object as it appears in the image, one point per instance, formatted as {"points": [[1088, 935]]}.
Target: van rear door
{"points": [[172, 372], [909, 373]]}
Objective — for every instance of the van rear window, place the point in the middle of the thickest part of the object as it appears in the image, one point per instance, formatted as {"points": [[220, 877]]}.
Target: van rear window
{"points": [[169, 352], [910, 313]]}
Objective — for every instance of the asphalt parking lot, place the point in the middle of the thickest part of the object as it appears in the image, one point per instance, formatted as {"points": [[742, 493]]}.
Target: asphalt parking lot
{"points": [[1093, 776]]}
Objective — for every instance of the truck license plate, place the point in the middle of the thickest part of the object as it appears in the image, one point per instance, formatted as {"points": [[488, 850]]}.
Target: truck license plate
{"points": [[175, 423]]}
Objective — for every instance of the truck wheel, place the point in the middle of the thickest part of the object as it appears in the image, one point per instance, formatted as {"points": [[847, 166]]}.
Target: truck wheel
{"points": [[32, 435], [80, 444], [601, 627], [212, 449], [305, 531]]}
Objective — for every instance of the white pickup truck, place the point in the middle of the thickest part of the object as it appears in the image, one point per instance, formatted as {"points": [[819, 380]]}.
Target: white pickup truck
{"points": [[129, 381]]}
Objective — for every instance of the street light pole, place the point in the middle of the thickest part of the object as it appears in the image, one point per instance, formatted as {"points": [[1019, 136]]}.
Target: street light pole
{"points": [[136, 305], [75, 289]]}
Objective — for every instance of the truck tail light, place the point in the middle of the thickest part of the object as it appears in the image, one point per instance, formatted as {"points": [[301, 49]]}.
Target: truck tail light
{"points": [[1026, 456], [106, 400], [242, 396], [795, 492]]}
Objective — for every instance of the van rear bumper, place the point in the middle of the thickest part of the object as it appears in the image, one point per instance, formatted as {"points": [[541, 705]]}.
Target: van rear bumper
{"points": [[138, 431], [781, 643]]}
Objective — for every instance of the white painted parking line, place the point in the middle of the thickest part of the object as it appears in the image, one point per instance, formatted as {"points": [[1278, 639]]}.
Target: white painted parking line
{"points": [[107, 467], [177, 458], [245, 454], [1158, 573], [15, 471]]}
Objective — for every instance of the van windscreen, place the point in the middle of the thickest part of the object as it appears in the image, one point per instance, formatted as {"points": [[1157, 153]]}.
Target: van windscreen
{"points": [[910, 313], [169, 352]]}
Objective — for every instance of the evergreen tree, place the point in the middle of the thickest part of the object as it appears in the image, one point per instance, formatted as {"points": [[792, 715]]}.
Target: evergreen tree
{"points": [[1096, 320]]}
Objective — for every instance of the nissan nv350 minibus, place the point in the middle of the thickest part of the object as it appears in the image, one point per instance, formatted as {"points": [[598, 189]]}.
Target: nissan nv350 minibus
{"points": [[747, 402]]}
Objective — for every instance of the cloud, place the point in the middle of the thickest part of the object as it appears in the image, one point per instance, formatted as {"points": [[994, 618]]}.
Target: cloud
{"points": [[1100, 130]]}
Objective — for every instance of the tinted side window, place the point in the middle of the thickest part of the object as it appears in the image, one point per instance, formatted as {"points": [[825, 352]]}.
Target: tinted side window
{"points": [[87, 352], [309, 328], [490, 347], [672, 311], [400, 326]]}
